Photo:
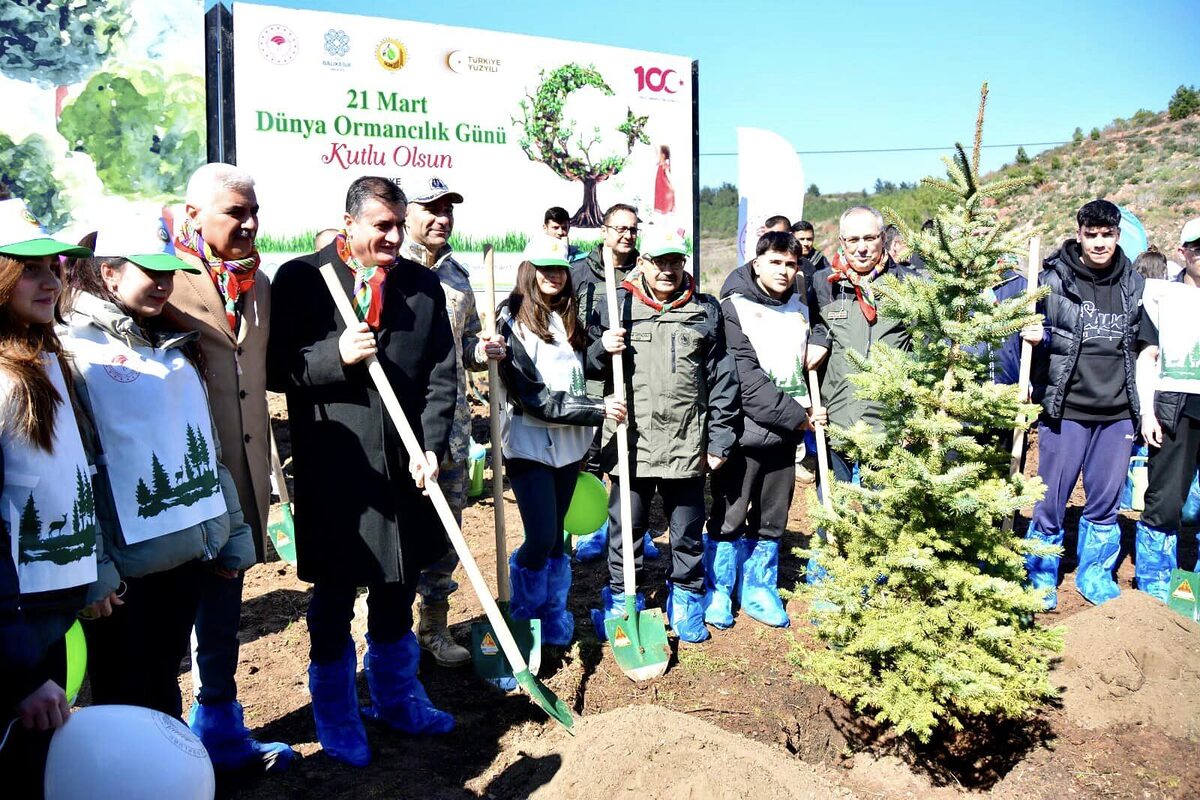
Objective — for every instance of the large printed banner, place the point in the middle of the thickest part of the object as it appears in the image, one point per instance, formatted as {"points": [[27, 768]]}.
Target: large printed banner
{"points": [[515, 124]]}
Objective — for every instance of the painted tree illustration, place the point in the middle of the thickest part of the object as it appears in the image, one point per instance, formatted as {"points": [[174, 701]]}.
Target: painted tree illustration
{"points": [[86, 499], [575, 155], [159, 478], [27, 171], [144, 129], [30, 528], [578, 386], [55, 43]]}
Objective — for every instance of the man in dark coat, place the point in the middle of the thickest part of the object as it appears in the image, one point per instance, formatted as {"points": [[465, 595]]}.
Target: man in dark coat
{"points": [[361, 518], [1089, 408]]}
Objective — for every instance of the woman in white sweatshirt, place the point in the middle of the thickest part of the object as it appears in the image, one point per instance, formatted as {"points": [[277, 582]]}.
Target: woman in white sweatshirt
{"points": [[549, 422]]}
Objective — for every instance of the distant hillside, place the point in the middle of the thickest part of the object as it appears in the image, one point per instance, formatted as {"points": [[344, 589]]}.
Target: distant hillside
{"points": [[1147, 164]]}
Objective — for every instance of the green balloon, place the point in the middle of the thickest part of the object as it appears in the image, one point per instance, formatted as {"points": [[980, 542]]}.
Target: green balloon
{"points": [[76, 660], [589, 506]]}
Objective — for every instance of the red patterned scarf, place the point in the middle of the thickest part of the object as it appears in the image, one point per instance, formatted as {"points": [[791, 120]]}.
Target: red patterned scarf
{"points": [[232, 278], [368, 284], [861, 283], [636, 285]]}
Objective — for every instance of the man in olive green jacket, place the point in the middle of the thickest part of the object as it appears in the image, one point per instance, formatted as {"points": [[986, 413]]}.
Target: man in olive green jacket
{"points": [[683, 417]]}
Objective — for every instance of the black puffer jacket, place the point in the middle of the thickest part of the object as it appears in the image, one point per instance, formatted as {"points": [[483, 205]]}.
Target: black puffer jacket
{"points": [[1056, 357]]}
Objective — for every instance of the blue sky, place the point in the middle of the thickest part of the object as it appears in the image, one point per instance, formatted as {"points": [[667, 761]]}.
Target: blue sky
{"points": [[873, 74]]}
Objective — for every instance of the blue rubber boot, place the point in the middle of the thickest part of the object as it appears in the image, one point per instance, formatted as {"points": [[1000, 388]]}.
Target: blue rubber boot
{"points": [[612, 604], [1099, 546], [649, 548], [759, 595], [558, 625], [1043, 570], [220, 727], [720, 581], [335, 709], [527, 588], [685, 613], [593, 546], [1156, 557], [398, 699]]}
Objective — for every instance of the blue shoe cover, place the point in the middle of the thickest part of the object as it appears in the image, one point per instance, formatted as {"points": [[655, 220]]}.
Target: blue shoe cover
{"points": [[759, 596], [1043, 570], [220, 727], [649, 548], [1099, 546], [720, 581], [685, 612], [1156, 558], [527, 589], [558, 625], [593, 546], [398, 699], [335, 709], [612, 604]]}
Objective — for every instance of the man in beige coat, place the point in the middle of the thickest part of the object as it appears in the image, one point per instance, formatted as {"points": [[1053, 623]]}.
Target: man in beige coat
{"points": [[228, 303]]}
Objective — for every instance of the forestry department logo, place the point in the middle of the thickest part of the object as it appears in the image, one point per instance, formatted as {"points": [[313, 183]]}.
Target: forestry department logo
{"points": [[391, 54], [119, 372], [278, 44]]}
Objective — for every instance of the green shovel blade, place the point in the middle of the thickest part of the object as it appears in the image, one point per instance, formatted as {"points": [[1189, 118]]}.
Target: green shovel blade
{"points": [[283, 535], [639, 642], [557, 709], [486, 655], [1184, 593]]}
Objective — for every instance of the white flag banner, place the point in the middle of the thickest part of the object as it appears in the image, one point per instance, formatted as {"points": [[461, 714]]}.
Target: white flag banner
{"points": [[1172, 307], [770, 182]]}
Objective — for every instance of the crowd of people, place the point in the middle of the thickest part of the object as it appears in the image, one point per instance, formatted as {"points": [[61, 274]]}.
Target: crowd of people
{"points": [[116, 514]]}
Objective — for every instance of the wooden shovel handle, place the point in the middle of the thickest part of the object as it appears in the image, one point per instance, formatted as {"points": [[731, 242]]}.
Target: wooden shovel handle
{"points": [[814, 391], [488, 318]]}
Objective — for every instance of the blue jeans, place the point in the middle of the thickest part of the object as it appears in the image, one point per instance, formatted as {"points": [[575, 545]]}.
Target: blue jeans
{"points": [[543, 494], [214, 638]]}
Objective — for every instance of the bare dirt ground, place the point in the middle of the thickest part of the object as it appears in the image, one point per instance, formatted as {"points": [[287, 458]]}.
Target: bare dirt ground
{"points": [[731, 718]]}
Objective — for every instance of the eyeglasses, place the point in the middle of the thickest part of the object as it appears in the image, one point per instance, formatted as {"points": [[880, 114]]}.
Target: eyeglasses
{"points": [[1193, 246], [622, 230], [853, 241]]}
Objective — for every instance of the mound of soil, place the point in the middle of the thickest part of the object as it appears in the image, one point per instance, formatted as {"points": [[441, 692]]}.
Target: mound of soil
{"points": [[1132, 661], [649, 751]]}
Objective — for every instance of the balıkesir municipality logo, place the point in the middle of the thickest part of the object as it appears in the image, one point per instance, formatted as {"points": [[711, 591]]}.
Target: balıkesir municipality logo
{"points": [[391, 54], [278, 44], [337, 46]]}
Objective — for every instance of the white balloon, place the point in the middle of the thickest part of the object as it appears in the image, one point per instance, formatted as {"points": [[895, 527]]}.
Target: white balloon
{"points": [[127, 753]]}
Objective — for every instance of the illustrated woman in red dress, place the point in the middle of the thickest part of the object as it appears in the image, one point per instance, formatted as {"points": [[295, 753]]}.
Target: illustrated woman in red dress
{"points": [[664, 192]]}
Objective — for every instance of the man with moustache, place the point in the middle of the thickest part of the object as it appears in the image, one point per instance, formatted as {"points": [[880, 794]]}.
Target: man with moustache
{"points": [[428, 224], [845, 317], [361, 519], [228, 302]]}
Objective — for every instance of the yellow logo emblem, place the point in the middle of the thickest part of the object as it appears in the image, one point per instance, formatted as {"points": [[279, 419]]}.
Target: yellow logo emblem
{"points": [[391, 54]]}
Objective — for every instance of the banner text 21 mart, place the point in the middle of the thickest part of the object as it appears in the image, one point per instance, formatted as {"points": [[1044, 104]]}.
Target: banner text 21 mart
{"points": [[516, 124]]}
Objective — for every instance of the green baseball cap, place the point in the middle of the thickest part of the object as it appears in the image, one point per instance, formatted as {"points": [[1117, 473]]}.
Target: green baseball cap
{"points": [[21, 236], [142, 241], [660, 240], [546, 251]]}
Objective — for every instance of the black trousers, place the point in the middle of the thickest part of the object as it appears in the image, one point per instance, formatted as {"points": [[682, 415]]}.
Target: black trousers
{"points": [[23, 758], [331, 609], [752, 493], [543, 494], [683, 504], [1171, 468], [134, 655]]}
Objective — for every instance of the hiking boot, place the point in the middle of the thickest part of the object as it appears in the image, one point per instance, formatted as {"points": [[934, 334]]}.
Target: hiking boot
{"points": [[435, 637]]}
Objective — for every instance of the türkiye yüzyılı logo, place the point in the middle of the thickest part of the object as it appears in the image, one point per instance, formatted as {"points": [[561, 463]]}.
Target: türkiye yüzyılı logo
{"points": [[391, 55], [278, 44], [470, 64]]}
